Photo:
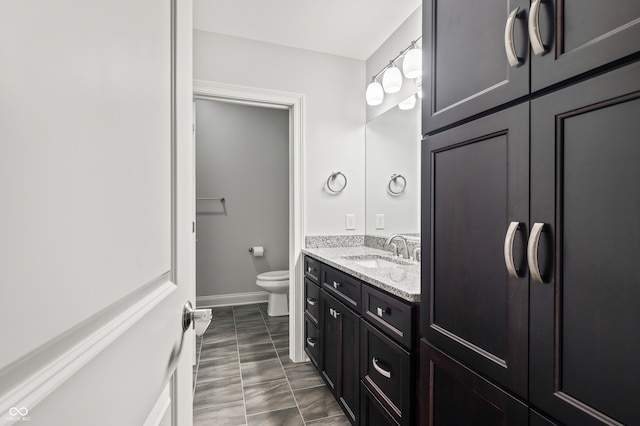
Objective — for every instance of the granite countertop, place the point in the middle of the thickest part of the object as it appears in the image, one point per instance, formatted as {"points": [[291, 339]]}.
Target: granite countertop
{"points": [[398, 276]]}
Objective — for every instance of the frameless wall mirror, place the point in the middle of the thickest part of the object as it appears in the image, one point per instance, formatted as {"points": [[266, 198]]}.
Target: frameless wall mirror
{"points": [[393, 173]]}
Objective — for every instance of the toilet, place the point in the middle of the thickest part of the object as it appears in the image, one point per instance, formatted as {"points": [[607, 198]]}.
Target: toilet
{"points": [[276, 283]]}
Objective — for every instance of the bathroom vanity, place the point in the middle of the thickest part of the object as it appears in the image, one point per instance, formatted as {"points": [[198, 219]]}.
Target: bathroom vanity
{"points": [[361, 330]]}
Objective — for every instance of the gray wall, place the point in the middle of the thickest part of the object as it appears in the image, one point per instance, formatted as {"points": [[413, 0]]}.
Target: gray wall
{"points": [[242, 154]]}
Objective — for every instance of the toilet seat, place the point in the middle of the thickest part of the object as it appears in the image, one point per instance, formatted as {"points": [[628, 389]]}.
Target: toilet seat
{"points": [[274, 276]]}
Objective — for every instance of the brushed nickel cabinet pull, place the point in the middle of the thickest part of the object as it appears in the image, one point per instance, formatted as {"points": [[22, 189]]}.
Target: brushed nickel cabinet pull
{"points": [[509, 45], [532, 251], [508, 249], [534, 28], [379, 369]]}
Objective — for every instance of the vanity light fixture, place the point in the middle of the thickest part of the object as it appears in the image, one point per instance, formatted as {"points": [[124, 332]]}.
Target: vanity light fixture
{"points": [[392, 79], [412, 64], [392, 76], [408, 103], [375, 94]]}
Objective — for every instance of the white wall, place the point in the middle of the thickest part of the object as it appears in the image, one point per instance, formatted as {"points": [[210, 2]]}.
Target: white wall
{"points": [[334, 115], [410, 30]]}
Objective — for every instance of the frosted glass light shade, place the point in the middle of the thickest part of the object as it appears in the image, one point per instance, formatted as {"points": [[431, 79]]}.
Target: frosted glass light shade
{"points": [[408, 103], [392, 80], [374, 94], [412, 64]]}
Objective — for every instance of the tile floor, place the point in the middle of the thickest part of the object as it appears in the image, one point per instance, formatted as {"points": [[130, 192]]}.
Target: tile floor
{"points": [[243, 375]]}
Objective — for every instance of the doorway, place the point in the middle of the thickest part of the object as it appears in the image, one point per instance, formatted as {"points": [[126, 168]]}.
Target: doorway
{"points": [[294, 104]]}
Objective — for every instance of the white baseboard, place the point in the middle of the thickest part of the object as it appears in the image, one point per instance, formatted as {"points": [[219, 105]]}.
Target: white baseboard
{"points": [[232, 299]]}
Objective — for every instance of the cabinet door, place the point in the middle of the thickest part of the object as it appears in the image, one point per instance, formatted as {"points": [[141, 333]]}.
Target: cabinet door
{"points": [[580, 35], [464, 61], [452, 395], [341, 353], [476, 183], [585, 190]]}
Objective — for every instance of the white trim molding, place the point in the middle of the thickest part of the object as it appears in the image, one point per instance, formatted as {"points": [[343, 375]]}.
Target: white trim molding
{"points": [[232, 299], [40, 373], [295, 103]]}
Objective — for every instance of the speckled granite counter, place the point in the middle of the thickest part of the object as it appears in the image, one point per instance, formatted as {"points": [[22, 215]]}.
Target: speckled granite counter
{"points": [[401, 279]]}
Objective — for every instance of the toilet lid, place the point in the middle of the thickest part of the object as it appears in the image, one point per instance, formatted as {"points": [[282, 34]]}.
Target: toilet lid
{"points": [[274, 276]]}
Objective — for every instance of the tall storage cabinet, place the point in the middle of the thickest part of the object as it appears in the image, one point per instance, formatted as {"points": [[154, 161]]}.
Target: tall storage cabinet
{"points": [[531, 194]]}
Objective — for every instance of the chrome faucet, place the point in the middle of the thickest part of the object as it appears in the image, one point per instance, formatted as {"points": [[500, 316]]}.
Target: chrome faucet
{"points": [[405, 254]]}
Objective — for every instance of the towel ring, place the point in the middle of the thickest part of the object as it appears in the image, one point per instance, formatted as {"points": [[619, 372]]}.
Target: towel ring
{"points": [[394, 178], [331, 178]]}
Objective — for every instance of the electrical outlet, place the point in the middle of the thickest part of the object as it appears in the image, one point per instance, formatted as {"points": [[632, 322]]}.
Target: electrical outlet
{"points": [[350, 222], [380, 221]]}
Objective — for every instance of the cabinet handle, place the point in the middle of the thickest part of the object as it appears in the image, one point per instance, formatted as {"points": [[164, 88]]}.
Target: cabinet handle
{"points": [[508, 249], [379, 369], [331, 312], [311, 301], [336, 314], [534, 28], [310, 342], [532, 251], [380, 312], [336, 284], [309, 269], [509, 45]]}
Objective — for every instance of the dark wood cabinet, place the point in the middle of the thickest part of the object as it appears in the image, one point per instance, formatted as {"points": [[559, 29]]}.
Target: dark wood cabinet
{"points": [[372, 412], [312, 342], [475, 186], [576, 277], [341, 353], [368, 362], [530, 200], [459, 396], [385, 367], [580, 36], [342, 286], [585, 172], [465, 62], [312, 301]]}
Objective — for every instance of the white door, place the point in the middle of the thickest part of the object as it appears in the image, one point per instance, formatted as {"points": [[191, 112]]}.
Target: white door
{"points": [[96, 242]]}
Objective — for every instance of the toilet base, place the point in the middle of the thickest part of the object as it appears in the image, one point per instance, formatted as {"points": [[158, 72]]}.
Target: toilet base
{"points": [[278, 304]]}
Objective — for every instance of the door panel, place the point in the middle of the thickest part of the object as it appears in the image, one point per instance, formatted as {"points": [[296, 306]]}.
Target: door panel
{"points": [[451, 394], [330, 345], [90, 113], [476, 184], [464, 61], [580, 35], [584, 316]]}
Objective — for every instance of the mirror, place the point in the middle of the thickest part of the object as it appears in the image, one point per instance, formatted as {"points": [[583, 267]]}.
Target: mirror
{"points": [[393, 148]]}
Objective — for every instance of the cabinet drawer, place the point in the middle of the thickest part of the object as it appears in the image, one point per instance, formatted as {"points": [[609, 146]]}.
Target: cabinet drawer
{"points": [[312, 342], [342, 286], [385, 367], [311, 300], [388, 313], [311, 269], [372, 411]]}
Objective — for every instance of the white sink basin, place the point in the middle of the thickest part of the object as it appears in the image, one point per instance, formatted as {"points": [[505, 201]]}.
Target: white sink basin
{"points": [[374, 263]]}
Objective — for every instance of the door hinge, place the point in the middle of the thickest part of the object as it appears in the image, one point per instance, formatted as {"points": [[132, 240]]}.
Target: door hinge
{"points": [[193, 227]]}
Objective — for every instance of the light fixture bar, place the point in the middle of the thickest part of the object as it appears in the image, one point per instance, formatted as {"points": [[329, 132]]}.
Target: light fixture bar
{"points": [[392, 62]]}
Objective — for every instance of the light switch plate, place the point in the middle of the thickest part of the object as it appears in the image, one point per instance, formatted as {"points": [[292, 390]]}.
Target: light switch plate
{"points": [[380, 221], [350, 222]]}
